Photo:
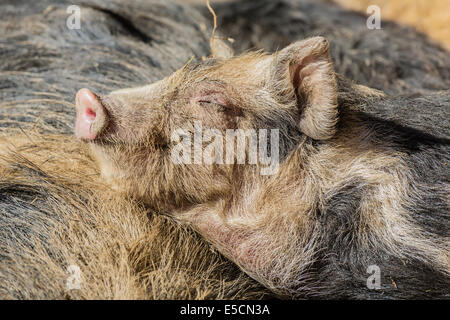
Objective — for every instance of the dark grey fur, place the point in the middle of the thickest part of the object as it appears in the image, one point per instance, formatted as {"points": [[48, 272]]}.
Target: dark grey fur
{"points": [[120, 44]]}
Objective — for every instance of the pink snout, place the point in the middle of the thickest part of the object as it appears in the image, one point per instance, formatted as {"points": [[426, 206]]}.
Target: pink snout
{"points": [[92, 116]]}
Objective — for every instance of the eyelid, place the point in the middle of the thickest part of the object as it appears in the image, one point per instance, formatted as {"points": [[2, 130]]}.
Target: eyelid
{"points": [[220, 101]]}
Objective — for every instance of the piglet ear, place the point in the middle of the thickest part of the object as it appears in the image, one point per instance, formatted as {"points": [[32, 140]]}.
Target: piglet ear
{"points": [[304, 74]]}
